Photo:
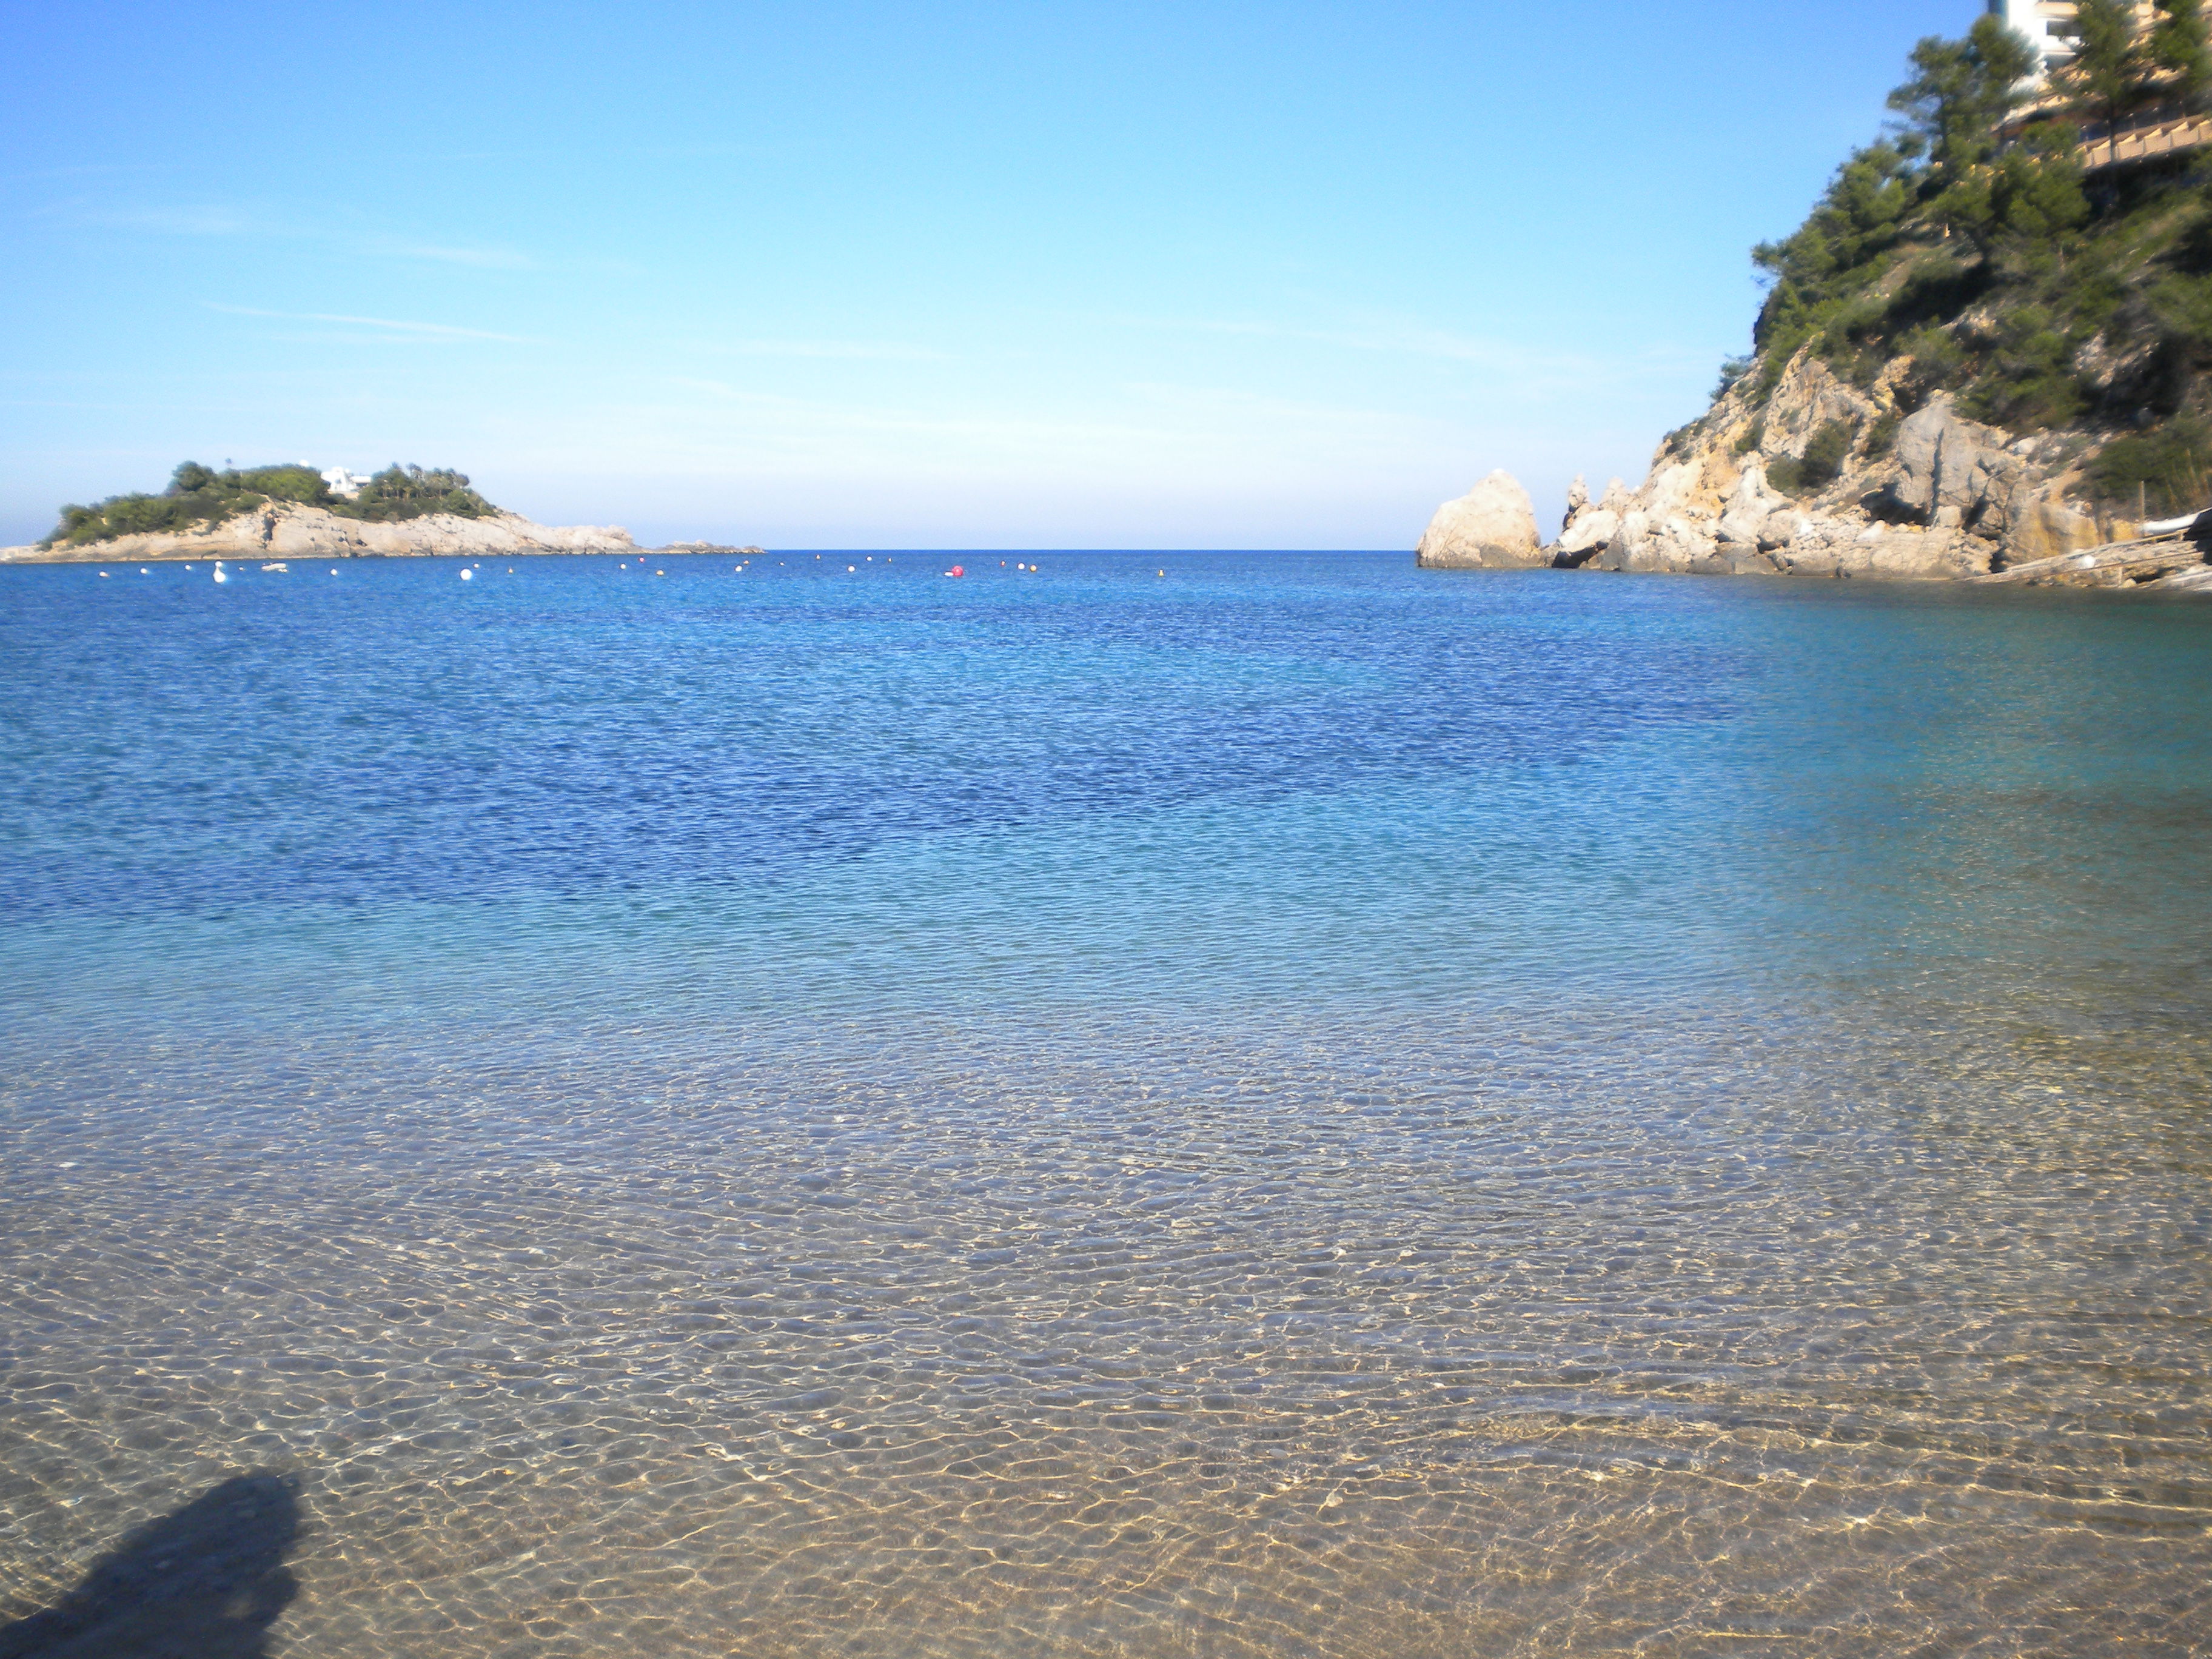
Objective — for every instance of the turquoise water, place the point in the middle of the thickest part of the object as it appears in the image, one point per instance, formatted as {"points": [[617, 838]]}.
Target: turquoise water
{"points": [[1289, 1106]]}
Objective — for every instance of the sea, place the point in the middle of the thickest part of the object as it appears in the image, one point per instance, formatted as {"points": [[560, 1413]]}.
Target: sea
{"points": [[1119, 1104]]}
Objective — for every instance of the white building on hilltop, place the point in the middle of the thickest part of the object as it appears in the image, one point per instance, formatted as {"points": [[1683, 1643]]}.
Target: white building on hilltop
{"points": [[344, 483], [2162, 127], [2035, 19], [2048, 24]]}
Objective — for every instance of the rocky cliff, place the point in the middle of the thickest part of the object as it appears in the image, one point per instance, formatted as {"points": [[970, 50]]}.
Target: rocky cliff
{"points": [[1885, 478], [1927, 494], [1989, 346], [288, 530]]}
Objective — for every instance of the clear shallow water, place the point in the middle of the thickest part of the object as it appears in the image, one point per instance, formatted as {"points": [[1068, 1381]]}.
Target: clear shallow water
{"points": [[1299, 1107]]}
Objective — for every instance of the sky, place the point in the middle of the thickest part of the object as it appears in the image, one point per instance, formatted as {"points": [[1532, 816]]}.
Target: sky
{"points": [[837, 274]]}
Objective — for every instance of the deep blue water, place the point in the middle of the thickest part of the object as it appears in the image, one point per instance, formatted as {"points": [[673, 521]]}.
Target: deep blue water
{"points": [[1823, 969], [1459, 780]]}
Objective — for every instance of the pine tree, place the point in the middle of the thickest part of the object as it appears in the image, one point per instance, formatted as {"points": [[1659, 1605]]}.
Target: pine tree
{"points": [[2178, 47], [2109, 72], [1960, 92]]}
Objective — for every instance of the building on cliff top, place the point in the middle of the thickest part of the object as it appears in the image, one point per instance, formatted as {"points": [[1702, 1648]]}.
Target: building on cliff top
{"points": [[2160, 128], [2036, 20], [2049, 25]]}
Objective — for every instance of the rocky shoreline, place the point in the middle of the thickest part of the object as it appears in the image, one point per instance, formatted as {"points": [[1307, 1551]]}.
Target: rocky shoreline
{"points": [[1926, 496], [282, 529]]}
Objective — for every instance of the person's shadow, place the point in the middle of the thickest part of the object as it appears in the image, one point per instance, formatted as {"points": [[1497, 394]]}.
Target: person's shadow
{"points": [[205, 1581]]}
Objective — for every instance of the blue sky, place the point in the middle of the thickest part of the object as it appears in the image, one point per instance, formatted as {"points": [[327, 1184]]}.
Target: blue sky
{"points": [[834, 275]]}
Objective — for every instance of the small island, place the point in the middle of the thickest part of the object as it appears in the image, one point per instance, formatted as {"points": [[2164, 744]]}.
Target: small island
{"points": [[297, 510]]}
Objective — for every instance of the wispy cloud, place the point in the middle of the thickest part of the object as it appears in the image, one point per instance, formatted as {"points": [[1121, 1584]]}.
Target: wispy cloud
{"points": [[389, 327], [1401, 337], [84, 170], [480, 258], [851, 350], [720, 389], [220, 219], [1238, 402], [621, 153], [1171, 432], [188, 220]]}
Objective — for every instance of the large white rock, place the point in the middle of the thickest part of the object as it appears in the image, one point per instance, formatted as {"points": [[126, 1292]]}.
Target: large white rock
{"points": [[1593, 526], [1750, 508], [1958, 472], [1491, 527], [1672, 488]]}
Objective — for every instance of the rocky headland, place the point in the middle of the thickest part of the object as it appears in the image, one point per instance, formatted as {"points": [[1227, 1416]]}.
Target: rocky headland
{"points": [[1986, 352], [291, 530], [293, 511], [1948, 497]]}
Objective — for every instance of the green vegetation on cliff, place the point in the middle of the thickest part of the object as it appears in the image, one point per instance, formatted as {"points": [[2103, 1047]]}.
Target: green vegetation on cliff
{"points": [[198, 495], [1992, 251]]}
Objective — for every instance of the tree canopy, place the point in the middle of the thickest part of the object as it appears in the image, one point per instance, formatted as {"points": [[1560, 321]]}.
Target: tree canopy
{"points": [[1960, 92], [2178, 49], [1969, 249], [409, 492]]}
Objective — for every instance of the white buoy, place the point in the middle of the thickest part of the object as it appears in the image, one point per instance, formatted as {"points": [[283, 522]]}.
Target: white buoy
{"points": [[468, 576], [220, 575]]}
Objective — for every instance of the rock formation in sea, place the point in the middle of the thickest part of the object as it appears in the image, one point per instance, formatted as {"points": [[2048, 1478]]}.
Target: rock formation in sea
{"points": [[289, 530], [1491, 527]]}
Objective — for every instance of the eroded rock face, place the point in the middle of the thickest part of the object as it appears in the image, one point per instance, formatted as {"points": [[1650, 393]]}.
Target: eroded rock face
{"points": [[1836, 548], [1807, 397], [2137, 373], [1589, 532], [1758, 516], [1931, 496], [1491, 527], [1590, 529], [1577, 498], [2049, 528], [1957, 473]]}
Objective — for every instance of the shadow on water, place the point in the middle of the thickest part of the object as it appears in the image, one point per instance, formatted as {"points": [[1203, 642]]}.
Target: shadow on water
{"points": [[203, 1583]]}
